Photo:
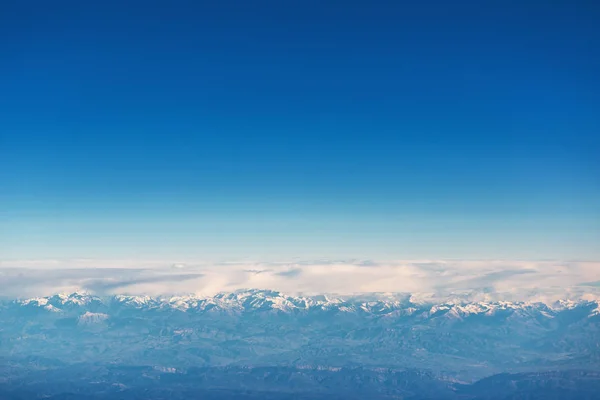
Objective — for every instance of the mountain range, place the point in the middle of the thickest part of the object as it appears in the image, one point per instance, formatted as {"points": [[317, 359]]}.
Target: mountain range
{"points": [[317, 343]]}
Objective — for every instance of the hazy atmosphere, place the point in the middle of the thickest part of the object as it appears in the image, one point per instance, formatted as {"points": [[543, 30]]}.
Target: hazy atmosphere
{"points": [[545, 281], [300, 200]]}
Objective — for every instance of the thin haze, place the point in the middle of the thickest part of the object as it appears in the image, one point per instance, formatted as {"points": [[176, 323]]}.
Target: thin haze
{"points": [[544, 281]]}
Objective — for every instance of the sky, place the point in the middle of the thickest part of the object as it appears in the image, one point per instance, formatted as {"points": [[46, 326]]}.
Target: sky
{"points": [[271, 130]]}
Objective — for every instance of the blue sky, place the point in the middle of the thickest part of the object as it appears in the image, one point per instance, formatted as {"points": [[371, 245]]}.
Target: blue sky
{"points": [[300, 129]]}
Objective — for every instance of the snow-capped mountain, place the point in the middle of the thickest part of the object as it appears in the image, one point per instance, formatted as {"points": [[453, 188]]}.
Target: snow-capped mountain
{"points": [[90, 318], [454, 338], [251, 301]]}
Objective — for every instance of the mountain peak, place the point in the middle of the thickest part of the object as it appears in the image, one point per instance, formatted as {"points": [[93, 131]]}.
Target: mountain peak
{"points": [[255, 300]]}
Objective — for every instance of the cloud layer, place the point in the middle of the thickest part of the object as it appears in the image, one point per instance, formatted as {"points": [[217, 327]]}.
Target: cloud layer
{"points": [[492, 279]]}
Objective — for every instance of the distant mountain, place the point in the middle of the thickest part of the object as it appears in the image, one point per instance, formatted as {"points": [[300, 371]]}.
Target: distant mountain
{"points": [[266, 339], [244, 301], [91, 382]]}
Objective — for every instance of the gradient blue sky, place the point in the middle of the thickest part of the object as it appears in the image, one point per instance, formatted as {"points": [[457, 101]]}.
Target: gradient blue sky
{"points": [[227, 129]]}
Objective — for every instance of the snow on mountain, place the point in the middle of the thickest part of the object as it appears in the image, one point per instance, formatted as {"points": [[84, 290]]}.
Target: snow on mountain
{"points": [[36, 301], [272, 301], [90, 318], [51, 308], [596, 311], [76, 298], [135, 301], [565, 304], [265, 327]]}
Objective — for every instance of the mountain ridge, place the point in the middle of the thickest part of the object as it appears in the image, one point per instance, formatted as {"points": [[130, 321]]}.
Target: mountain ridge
{"points": [[252, 300]]}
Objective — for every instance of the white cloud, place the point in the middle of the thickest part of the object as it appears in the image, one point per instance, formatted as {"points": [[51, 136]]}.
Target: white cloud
{"points": [[498, 279]]}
